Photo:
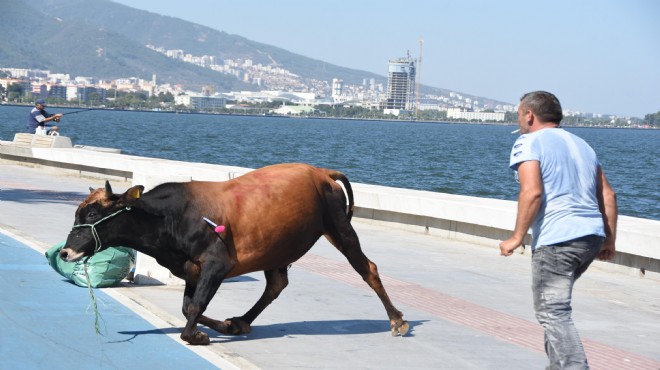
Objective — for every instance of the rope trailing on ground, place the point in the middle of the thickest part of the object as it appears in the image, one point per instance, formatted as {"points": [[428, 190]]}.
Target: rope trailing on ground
{"points": [[93, 304]]}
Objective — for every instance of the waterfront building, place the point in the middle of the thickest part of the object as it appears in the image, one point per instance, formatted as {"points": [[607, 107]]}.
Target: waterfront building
{"points": [[87, 93], [39, 89], [6, 82], [57, 91], [469, 115], [400, 86], [26, 86], [300, 98], [293, 110], [428, 104], [71, 92], [201, 102]]}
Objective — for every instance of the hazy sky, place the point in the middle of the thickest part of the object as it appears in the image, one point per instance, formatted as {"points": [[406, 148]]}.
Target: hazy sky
{"points": [[599, 56]]}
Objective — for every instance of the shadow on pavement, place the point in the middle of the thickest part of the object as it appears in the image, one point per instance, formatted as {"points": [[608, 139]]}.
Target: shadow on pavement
{"points": [[41, 196]]}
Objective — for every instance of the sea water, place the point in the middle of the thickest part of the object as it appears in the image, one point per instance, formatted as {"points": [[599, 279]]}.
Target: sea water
{"points": [[465, 159]]}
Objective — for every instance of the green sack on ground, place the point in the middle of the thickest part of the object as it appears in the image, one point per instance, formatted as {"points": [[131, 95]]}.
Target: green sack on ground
{"points": [[105, 268]]}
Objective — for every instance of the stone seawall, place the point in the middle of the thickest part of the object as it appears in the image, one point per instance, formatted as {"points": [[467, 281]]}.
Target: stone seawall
{"points": [[471, 219]]}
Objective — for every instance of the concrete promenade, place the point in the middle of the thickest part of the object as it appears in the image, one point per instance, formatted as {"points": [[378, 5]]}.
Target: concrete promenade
{"points": [[468, 307]]}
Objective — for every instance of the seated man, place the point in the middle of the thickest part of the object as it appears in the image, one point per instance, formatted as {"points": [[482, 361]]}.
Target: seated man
{"points": [[38, 118]]}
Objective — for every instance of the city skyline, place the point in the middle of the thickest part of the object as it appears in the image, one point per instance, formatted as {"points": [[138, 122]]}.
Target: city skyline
{"points": [[596, 57]]}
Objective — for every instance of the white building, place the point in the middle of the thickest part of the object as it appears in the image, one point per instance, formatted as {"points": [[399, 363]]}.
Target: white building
{"points": [[72, 92], [337, 87], [468, 115], [293, 110], [201, 102]]}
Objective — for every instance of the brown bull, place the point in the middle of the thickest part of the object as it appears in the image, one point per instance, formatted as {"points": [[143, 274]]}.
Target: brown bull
{"points": [[271, 218]]}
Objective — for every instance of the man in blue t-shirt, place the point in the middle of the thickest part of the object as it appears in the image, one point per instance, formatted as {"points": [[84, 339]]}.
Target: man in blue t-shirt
{"points": [[38, 117], [572, 210]]}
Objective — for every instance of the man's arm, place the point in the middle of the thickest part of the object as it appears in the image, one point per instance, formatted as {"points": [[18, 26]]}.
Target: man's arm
{"points": [[610, 211], [42, 119], [529, 202], [53, 117]]}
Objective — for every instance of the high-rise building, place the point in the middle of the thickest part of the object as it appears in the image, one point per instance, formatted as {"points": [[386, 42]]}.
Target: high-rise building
{"points": [[400, 85], [337, 87]]}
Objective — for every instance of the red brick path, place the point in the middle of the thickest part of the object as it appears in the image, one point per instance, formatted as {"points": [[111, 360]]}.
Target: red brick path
{"points": [[496, 324]]}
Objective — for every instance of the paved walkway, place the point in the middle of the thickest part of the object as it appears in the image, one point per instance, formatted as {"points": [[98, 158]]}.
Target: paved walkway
{"points": [[48, 323], [469, 308]]}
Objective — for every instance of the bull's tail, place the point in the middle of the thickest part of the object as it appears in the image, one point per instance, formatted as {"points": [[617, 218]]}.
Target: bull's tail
{"points": [[338, 176]]}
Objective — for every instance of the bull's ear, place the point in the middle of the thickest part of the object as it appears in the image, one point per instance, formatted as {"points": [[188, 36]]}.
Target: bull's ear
{"points": [[133, 194], [91, 190], [108, 189]]}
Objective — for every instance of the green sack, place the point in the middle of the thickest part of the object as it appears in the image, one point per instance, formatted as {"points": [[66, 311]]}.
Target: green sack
{"points": [[105, 268]]}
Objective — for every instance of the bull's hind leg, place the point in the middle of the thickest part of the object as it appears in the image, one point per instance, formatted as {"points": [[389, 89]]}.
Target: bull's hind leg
{"points": [[276, 281], [341, 234]]}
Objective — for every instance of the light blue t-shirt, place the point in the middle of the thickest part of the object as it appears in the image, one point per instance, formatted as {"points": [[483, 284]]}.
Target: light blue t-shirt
{"points": [[569, 169]]}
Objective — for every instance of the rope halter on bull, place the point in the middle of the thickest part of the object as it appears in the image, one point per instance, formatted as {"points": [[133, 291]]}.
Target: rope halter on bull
{"points": [[95, 234]]}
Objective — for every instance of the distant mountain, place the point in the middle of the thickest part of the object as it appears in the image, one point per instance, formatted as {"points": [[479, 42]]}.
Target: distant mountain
{"points": [[51, 35], [100, 38]]}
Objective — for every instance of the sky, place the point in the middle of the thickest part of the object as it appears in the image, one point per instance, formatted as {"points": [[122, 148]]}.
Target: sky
{"points": [[597, 56]]}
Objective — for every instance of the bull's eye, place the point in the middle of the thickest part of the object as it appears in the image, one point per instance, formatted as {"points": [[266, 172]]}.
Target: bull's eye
{"points": [[91, 216]]}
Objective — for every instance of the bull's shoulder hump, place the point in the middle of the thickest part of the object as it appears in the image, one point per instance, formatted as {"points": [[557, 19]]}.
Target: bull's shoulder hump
{"points": [[296, 166], [205, 185]]}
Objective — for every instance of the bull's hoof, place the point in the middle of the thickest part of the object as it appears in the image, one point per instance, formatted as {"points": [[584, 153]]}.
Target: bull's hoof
{"points": [[236, 326], [400, 328], [197, 339]]}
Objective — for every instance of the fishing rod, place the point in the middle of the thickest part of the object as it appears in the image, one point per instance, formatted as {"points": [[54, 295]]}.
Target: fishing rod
{"points": [[74, 112], [78, 111]]}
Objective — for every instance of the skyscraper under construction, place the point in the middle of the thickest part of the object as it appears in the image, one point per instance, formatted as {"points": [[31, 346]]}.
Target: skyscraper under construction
{"points": [[400, 85]]}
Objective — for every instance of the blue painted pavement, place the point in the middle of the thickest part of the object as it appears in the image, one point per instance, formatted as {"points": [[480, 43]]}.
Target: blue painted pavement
{"points": [[47, 322]]}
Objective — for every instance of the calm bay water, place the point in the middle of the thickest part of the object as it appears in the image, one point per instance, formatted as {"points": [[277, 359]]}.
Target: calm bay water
{"points": [[450, 158]]}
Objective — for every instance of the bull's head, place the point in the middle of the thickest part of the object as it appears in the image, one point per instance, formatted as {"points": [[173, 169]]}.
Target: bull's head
{"points": [[94, 219]]}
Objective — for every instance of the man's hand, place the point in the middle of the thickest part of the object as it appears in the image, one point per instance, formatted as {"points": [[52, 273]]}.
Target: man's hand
{"points": [[529, 203], [607, 250], [508, 246]]}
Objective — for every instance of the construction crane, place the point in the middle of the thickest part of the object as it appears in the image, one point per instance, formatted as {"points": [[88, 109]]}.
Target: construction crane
{"points": [[419, 78]]}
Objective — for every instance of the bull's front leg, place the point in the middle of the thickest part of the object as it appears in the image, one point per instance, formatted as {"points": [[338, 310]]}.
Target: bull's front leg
{"points": [[191, 335], [198, 293], [219, 326]]}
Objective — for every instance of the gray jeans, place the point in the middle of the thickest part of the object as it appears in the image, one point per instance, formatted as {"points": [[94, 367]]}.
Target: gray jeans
{"points": [[555, 268]]}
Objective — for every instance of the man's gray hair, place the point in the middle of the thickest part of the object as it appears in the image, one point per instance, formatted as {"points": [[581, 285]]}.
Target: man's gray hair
{"points": [[544, 105]]}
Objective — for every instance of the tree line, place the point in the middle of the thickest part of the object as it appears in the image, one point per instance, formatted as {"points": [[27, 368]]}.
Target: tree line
{"points": [[653, 119], [165, 101]]}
